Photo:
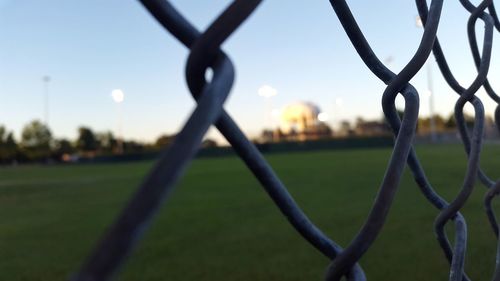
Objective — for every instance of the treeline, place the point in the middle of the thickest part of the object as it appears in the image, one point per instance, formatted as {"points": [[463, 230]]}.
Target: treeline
{"points": [[424, 124], [37, 144]]}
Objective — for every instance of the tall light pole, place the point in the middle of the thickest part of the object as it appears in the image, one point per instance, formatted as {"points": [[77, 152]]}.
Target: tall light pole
{"points": [[268, 92], [46, 81], [430, 90], [430, 87], [118, 96], [337, 113]]}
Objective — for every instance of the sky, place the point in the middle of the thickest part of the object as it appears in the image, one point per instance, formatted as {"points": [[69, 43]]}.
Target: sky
{"points": [[298, 47]]}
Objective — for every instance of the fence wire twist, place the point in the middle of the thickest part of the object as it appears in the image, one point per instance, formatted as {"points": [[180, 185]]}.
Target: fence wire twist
{"points": [[206, 53]]}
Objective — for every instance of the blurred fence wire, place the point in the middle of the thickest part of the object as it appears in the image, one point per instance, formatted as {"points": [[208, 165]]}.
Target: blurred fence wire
{"points": [[206, 53]]}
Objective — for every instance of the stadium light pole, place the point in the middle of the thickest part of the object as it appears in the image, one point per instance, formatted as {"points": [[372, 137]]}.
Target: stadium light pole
{"points": [[337, 109], [268, 92], [430, 89], [118, 97], [46, 81]]}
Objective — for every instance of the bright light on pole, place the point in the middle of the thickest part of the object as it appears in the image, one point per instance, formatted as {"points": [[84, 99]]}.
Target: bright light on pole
{"points": [[118, 97], [430, 90], [418, 22], [323, 117], [339, 102]]}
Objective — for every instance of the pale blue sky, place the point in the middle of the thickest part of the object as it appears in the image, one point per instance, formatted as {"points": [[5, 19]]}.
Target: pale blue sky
{"points": [[94, 46]]}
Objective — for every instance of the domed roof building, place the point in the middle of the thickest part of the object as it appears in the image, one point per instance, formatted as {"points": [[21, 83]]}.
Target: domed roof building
{"points": [[299, 121], [299, 116]]}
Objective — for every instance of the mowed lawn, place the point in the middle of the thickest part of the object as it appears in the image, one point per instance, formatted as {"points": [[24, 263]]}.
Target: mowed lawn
{"points": [[219, 224]]}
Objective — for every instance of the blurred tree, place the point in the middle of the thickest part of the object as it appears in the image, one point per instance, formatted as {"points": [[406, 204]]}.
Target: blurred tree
{"points": [[488, 119], [360, 120], [268, 135], [132, 147], [8, 146], [164, 140], [345, 125], [35, 141], [62, 147], [345, 129], [86, 141], [107, 142], [450, 122], [208, 143], [439, 122], [400, 113], [424, 124]]}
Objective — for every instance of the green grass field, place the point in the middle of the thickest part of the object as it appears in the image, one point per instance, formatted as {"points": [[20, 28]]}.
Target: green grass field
{"points": [[220, 225]]}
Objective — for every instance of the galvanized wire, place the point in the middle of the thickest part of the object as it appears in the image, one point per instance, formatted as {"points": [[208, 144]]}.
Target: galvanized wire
{"points": [[403, 130], [120, 239], [482, 64], [206, 53]]}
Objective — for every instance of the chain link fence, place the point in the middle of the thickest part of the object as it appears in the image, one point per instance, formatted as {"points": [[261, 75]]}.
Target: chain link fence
{"points": [[206, 53]]}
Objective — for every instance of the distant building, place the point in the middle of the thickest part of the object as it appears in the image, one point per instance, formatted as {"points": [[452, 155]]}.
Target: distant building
{"points": [[371, 128], [299, 122], [345, 130]]}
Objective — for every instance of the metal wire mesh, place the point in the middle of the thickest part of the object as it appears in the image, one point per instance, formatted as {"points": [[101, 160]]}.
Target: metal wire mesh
{"points": [[205, 53]]}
